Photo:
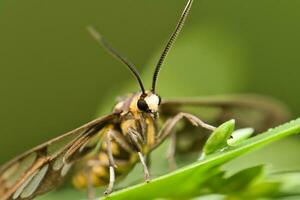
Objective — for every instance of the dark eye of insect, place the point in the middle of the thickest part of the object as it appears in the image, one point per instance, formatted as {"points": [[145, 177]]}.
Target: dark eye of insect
{"points": [[142, 105]]}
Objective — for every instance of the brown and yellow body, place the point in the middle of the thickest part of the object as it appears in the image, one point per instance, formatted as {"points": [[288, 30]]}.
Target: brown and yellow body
{"points": [[109, 146], [143, 125]]}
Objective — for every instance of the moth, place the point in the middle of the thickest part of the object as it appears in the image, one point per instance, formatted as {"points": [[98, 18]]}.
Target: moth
{"points": [[108, 147]]}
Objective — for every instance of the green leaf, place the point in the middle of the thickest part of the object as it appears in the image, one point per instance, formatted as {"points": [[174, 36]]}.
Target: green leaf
{"points": [[249, 183], [290, 182], [240, 135], [186, 182], [242, 179], [218, 139]]}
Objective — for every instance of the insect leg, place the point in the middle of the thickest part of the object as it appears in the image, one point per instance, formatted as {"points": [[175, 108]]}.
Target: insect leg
{"points": [[135, 139], [167, 128], [111, 180], [148, 160], [171, 153], [119, 139], [112, 165], [166, 131], [90, 188], [146, 171]]}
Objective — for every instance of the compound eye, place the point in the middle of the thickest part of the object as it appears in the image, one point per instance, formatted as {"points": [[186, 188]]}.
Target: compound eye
{"points": [[142, 105]]}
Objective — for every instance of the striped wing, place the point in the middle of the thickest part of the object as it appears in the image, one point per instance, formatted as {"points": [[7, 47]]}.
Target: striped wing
{"points": [[43, 167], [249, 110]]}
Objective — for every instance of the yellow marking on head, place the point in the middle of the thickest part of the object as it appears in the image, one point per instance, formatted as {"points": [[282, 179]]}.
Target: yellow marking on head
{"points": [[133, 105]]}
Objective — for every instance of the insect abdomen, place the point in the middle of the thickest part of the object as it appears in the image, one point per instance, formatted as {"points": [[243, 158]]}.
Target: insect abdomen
{"points": [[95, 167]]}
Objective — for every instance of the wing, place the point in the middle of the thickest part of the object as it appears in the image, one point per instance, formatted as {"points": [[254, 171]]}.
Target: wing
{"points": [[43, 167], [255, 111]]}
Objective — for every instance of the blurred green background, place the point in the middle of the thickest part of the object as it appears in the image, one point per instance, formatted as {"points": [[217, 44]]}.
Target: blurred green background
{"points": [[54, 77]]}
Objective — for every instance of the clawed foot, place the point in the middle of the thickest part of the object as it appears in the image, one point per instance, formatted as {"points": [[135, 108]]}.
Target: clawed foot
{"points": [[107, 192], [146, 175], [197, 122], [147, 179]]}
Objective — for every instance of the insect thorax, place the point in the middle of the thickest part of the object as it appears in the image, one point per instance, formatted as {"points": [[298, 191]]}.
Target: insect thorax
{"points": [[135, 132]]}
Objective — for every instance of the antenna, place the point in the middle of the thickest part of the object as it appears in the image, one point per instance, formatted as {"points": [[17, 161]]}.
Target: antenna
{"points": [[101, 40], [170, 42]]}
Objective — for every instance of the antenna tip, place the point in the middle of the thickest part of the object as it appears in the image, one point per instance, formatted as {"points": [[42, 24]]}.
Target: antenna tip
{"points": [[95, 34]]}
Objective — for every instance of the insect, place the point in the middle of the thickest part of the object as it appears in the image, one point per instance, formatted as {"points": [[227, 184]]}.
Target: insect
{"points": [[110, 146]]}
